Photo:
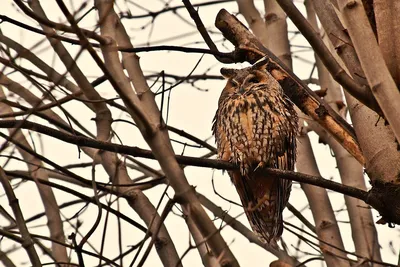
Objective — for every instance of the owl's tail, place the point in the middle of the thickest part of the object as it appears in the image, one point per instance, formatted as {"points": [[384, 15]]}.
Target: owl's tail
{"points": [[263, 199]]}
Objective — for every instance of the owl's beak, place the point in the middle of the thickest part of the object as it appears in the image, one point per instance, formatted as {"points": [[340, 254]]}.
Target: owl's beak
{"points": [[242, 89]]}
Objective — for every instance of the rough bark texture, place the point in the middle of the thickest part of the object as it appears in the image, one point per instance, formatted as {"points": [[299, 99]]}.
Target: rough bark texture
{"points": [[276, 30], [351, 172], [376, 139], [388, 32], [381, 82]]}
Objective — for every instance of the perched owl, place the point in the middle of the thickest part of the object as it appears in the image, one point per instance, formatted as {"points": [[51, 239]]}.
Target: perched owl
{"points": [[255, 127]]}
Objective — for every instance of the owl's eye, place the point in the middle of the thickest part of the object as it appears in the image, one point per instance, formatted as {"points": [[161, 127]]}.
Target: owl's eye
{"points": [[254, 80]]}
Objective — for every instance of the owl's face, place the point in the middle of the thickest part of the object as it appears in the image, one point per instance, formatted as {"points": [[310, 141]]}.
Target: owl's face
{"points": [[244, 81]]}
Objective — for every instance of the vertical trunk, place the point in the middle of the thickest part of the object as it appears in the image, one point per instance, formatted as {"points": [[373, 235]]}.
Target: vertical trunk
{"points": [[351, 172], [388, 32], [378, 76], [275, 21], [320, 205]]}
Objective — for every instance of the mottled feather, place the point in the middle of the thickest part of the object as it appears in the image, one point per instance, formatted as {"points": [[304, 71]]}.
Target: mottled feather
{"points": [[255, 127]]}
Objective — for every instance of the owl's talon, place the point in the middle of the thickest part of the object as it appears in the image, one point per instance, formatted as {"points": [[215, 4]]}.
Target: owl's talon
{"points": [[260, 165]]}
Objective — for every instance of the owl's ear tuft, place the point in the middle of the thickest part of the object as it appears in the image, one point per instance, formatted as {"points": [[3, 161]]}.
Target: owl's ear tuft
{"points": [[228, 73], [261, 64]]}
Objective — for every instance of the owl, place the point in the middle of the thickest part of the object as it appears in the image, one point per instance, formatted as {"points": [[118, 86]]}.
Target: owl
{"points": [[255, 127]]}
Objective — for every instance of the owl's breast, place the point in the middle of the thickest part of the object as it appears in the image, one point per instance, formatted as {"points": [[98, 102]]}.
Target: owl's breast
{"points": [[247, 126], [252, 129]]}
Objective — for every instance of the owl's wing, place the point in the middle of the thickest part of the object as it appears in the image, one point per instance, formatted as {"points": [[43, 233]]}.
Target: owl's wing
{"points": [[224, 148], [286, 162], [258, 132], [259, 198], [264, 199]]}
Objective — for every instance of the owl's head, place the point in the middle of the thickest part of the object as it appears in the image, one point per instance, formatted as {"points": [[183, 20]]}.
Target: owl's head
{"points": [[244, 80]]}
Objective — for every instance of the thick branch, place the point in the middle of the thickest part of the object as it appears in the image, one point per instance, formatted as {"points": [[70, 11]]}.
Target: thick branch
{"points": [[19, 218], [379, 78], [376, 199], [351, 172], [377, 140], [200, 26], [359, 91], [158, 140]]}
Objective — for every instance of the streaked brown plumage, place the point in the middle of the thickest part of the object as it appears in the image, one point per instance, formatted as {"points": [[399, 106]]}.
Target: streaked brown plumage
{"points": [[255, 127]]}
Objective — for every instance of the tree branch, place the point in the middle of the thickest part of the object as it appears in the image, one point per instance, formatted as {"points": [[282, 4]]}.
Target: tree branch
{"points": [[361, 92], [186, 160], [27, 241], [379, 78]]}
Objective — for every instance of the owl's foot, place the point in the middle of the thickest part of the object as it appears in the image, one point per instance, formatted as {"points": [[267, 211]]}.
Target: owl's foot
{"points": [[260, 166]]}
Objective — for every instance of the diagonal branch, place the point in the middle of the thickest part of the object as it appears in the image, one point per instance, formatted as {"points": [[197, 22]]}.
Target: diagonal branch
{"points": [[249, 47], [158, 140], [379, 78], [375, 198], [26, 239], [359, 91]]}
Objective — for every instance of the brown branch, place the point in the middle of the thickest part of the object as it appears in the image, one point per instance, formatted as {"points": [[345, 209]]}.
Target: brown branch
{"points": [[38, 31], [57, 26], [276, 28], [376, 139], [378, 76], [359, 91], [297, 91], [301, 217], [351, 172], [277, 33], [375, 198], [224, 57], [52, 211], [19, 218], [238, 226], [83, 197], [158, 140], [113, 166], [186, 160], [200, 26], [167, 8]]}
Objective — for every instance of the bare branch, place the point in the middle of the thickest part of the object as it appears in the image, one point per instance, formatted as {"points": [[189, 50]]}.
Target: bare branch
{"points": [[27, 241], [360, 92], [351, 172], [158, 139], [49, 201], [381, 82]]}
